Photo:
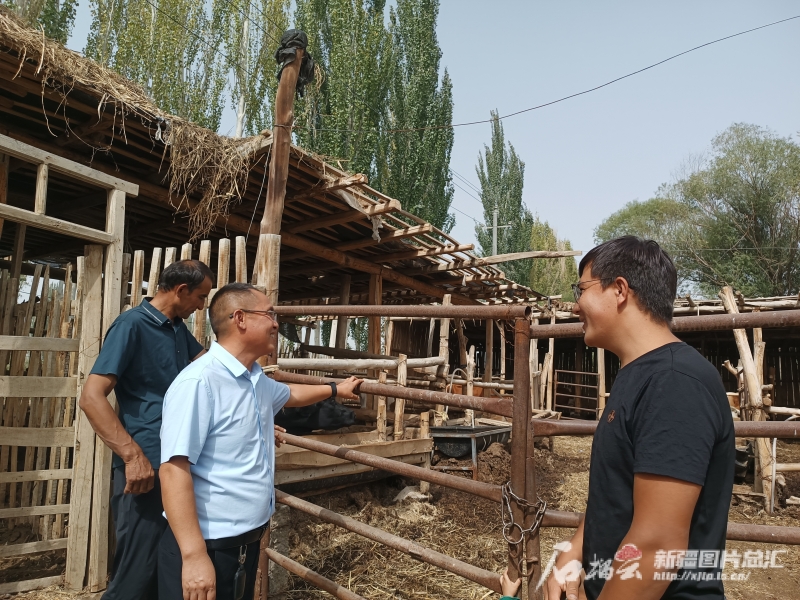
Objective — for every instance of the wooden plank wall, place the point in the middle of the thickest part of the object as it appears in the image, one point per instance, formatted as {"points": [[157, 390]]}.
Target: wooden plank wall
{"points": [[38, 350]]}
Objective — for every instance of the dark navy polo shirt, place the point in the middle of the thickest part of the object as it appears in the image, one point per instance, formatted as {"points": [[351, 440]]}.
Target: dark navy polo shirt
{"points": [[145, 350]]}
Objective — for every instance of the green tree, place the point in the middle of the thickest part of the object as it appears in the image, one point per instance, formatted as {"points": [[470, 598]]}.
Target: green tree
{"points": [[55, 17], [551, 276], [342, 115], [745, 229], [171, 49], [733, 220], [501, 175], [414, 165], [253, 32]]}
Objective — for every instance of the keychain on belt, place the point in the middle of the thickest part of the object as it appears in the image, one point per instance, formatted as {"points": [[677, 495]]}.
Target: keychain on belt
{"points": [[240, 576]]}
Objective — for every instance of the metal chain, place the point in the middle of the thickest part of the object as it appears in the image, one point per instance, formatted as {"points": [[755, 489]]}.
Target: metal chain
{"points": [[509, 526]]}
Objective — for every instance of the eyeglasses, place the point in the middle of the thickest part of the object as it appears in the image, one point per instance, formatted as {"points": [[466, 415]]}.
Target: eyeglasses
{"points": [[265, 313], [577, 290]]}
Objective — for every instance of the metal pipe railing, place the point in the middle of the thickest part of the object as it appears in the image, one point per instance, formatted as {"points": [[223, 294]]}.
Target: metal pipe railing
{"points": [[314, 578], [784, 318], [496, 406], [477, 488], [487, 579], [455, 311], [764, 429]]}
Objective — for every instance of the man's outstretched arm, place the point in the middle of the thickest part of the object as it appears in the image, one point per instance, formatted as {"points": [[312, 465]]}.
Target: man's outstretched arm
{"points": [[662, 515]]}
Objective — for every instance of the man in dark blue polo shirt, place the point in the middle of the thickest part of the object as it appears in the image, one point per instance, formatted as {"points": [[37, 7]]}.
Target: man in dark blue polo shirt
{"points": [[143, 352]]}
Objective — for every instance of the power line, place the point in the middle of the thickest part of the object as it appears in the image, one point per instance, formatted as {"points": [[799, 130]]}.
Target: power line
{"points": [[564, 98]]}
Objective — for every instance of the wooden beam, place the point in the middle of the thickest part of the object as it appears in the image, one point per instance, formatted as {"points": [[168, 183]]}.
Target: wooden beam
{"points": [[296, 241], [493, 260], [397, 234], [26, 217], [331, 186], [343, 217], [62, 165], [422, 252]]}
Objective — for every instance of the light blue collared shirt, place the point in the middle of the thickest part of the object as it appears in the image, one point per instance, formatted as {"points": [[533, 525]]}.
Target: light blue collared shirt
{"points": [[220, 416]]}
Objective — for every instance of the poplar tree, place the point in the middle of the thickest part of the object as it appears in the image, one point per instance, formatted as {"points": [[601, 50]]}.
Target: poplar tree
{"points": [[342, 114], [501, 175], [169, 47], [414, 164], [54, 17]]}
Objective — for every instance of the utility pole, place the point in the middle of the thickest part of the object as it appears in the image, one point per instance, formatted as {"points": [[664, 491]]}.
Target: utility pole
{"points": [[494, 229]]}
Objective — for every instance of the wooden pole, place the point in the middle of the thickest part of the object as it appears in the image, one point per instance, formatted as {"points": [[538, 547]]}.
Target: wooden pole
{"points": [[551, 368], [754, 394], [200, 315], [519, 442], [155, 272], [424, 433], [138, 276], [374, 340], [19, 251], [462, 342], [489, 353], [186, 251], [101, 488], [4, 162], [81, 485], [400, 403], [341, 327], [444, 352], [469, 414], [169, 256], [381, 419], [241, 259]]}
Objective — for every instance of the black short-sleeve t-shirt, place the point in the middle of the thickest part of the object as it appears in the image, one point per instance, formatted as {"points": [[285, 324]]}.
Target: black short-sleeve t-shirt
{"points": [[667, 415]]}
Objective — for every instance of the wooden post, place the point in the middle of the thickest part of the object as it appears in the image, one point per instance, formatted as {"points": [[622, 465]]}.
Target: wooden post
{"points": [[223, 262], [601, 381], [101, 488], [381, 419], [551, 367], [519, 442], [400, 403], [267, 265], [155, 272], [390, 336], [200, 315], [138, 275], [19, 251], [186, 251], [469, 414], [502, 329], [374, 340], [124, 298], [444, 351], [341, 328], [425, 433], [4, 161], [169, 256], [462, 342], [489, 354], [431, 327], [754, 393], [40, 200], [533, 543], [241, 260], [83, 461]]}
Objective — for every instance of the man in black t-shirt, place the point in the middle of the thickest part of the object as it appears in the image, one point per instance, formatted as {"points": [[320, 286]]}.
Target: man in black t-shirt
{"points": [[661, 472]]}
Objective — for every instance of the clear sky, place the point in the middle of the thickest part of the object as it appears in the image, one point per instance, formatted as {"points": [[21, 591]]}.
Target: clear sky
{"points": [[587, 157]]}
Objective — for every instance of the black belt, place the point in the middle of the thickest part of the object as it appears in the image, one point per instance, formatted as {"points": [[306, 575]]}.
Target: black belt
{"points": [[243, 539]]}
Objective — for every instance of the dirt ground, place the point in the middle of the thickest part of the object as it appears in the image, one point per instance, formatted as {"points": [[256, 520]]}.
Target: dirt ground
{"points": [[468, 528]]}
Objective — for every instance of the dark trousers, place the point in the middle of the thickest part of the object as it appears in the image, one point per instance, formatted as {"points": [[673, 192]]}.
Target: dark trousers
{"points": [[226, 562], [139, 525]]}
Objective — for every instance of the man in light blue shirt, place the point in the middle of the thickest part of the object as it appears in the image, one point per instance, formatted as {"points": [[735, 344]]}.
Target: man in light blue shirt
{"points": [[218, 452]]}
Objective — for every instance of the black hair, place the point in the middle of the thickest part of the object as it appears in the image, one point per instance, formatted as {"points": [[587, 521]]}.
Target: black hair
{"points": [[649, 271], [218, 312], [190, 272]]}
